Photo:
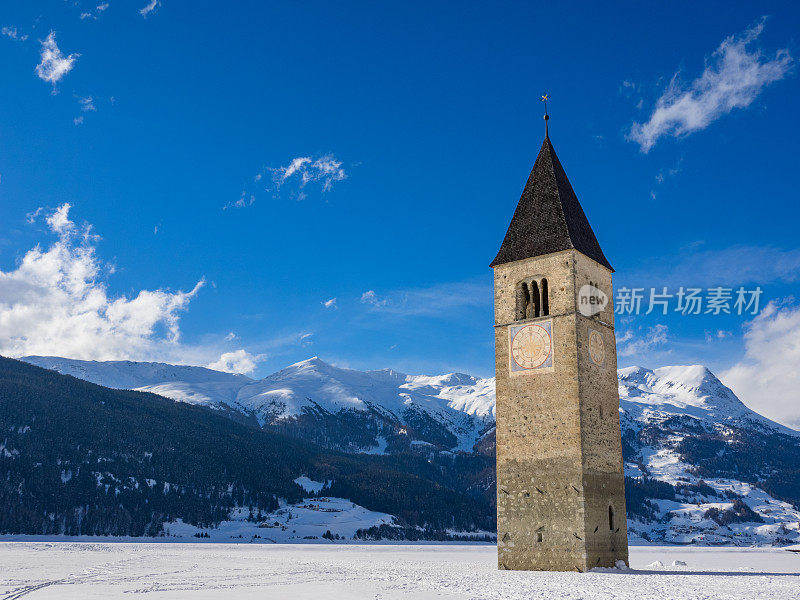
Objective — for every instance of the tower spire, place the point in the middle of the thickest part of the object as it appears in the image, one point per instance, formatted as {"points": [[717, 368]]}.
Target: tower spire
{"points": [[549, 218], [545, 98]]}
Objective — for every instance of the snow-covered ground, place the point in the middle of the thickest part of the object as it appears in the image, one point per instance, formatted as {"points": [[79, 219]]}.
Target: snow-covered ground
{"points": [[308, 520], [67, 570]]}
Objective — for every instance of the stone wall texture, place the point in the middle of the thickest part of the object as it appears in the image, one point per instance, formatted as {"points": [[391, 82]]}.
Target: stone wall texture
{"points": [[560, 484]]}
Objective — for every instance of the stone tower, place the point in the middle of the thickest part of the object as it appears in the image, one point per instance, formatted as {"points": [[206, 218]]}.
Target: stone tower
{"points": [[560, 484]]}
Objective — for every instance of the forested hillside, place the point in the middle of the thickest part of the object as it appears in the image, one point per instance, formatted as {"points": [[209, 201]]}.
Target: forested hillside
{"points": [[78, 458]]}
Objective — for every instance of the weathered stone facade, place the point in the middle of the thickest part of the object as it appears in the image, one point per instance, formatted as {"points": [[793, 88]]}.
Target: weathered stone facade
{"points": [[560, 485]]}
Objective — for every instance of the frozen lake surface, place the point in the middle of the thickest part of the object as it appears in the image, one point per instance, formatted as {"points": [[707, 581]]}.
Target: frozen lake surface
{"points": [[86, 570]]}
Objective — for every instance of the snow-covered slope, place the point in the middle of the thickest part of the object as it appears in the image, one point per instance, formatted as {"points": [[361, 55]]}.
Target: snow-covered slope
{"points": [[691, 391], [195, 385], [699, 462], [448, 412], [423, 408]]}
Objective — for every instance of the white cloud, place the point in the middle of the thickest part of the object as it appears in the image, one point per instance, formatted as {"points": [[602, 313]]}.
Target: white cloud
{"points": [[93, 15], [32, 216], [239, 361], [734, 266], [720, 334], [329, 303], [59, 221], [243, 201], [636, 346], [230, 337], [78, 120], [87, 104], [371, 298], [304, 170], [150, 7], [665, 174], [56, 303], [11, 32], [441, 300], [733, 78], [767, 379], [54, 64]]}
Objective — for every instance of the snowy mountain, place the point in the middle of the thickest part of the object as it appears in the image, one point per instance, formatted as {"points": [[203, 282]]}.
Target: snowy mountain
{"points": [[701, 467], [344, 409], [373, 410], [77, 458], [693, 391], [195, 385]]}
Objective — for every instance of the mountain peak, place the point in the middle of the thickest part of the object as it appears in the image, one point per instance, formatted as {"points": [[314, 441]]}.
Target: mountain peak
{"points": [[691, 390]]}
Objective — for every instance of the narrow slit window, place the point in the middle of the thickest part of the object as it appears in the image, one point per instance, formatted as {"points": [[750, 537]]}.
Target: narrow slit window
{"points": [[611, 518], [539, 536]]}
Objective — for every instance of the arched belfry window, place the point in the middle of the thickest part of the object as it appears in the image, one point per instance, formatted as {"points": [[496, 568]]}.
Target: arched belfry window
{"points": [[545, 299], [531, 299], [534, 306], [522, 301], [611, 517]]}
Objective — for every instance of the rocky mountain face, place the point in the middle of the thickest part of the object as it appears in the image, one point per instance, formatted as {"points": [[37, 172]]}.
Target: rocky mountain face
{"points": [[701, 467]]}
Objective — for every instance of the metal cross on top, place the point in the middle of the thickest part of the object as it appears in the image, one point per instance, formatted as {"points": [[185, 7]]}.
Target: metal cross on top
{"points": [[545, 98]]}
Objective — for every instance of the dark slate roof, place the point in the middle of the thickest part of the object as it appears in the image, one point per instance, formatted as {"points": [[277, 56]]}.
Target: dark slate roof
{"points": [[549, 217]]}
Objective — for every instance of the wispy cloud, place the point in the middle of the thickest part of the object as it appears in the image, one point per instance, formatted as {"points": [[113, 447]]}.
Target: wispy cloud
{"points": [[12, 33], [441, 300], [737, 265], [631, 344], [244, 200], [303, 171], [87, 104], [663, 175], [294, 180], [720, 334], [149, 8], [329, 303], [54, 64], [632, 90], [371, 298], [734, 76], [100, 8]]}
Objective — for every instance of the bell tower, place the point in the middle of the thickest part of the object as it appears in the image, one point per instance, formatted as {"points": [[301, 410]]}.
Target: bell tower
{"points": [[560, 483]]}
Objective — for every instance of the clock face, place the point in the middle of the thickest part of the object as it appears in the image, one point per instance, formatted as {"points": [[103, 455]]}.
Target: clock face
{"points": [[531, 346], [597, 349]]}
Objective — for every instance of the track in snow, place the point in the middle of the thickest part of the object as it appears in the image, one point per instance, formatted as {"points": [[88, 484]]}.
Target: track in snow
{"points": [[67, 570]]}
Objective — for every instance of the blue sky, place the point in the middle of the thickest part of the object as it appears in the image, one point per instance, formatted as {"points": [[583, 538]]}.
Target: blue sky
{"points": [[420, 123]]}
